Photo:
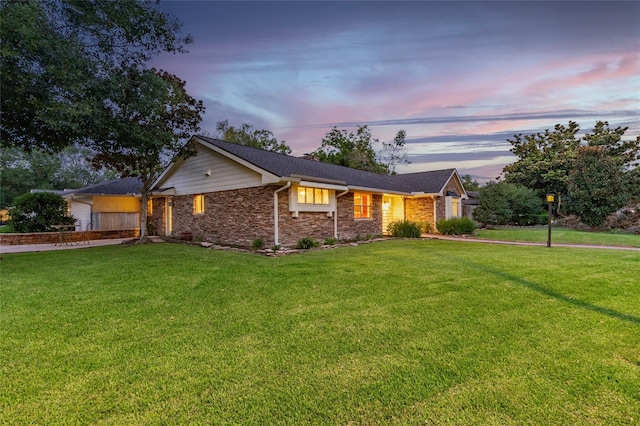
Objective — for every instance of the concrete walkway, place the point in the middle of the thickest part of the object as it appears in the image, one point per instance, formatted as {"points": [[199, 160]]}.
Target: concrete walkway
{"points": [[50, 247], [96, 243], [522, 243]]}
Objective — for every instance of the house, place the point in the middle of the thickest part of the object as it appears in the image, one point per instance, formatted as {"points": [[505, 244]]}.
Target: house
{"points": [[112, 205], [235, 194]]}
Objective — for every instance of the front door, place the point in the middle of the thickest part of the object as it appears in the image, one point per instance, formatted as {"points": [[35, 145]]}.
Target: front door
{"points": [[392, 210]]}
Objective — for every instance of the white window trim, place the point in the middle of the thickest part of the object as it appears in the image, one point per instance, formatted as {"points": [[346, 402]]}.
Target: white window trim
{"points": [[295, 207], [449, 206]]}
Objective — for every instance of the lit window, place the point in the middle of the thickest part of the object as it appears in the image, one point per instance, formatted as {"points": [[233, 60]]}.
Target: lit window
{"points": [[361, 206], [455, 207], [313, 195], [149, 207], [198, 204]]}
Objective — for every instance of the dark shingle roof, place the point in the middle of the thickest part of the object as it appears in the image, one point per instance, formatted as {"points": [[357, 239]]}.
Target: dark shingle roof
{"points": [[126, 186], [283, 165]]}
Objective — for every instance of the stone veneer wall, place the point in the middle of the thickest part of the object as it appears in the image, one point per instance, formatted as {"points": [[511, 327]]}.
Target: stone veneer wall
{"points": [[157, 219], [349, 228], [233, 217], [320, 226], [441, 203], [239, 216], [419, 210]]}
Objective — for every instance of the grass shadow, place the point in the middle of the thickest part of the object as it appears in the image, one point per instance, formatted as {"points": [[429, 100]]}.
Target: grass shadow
{"points": [[552, 293]]}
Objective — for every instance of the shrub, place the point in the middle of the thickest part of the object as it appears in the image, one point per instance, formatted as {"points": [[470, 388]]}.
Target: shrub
{"points": [[257, 244], [503, 203], [329, 241], [404, 229], [36, 212], [427, 228], [307, 243], [456, 226]]}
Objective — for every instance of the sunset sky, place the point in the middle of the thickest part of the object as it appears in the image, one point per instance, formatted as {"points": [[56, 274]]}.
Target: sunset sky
{"points": [[459, 77]]}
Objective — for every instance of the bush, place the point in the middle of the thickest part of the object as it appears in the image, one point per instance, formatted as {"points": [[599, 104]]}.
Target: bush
{"points": [[36, 212], [456, 226], [307, 243], [329, 241], [427, 228], [257, 244], [404, 229], [505, 203]]}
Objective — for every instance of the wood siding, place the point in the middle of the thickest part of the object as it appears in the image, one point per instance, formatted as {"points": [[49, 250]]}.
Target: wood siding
{"points": [[191, 177], [122, 220]]}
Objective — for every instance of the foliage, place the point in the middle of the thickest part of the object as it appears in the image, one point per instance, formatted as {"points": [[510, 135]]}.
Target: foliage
{"points": [[545, 161], [257, 244], [504, 203], [36, 212], [350, 149], [456, 226], [147, 120], [394, 153], [249, 136], [21, 171], [404, 229], [330, 241], [469, 183], [405, 332], [307, 243], [55, 56], [596, 185], [77, 72]]}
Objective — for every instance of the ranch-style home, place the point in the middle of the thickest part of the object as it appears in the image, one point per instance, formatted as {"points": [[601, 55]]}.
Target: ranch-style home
{"points": [[234, 194]]}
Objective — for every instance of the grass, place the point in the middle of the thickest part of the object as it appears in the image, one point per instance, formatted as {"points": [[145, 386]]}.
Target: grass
{"points": [[398, 332], [560, 235]]}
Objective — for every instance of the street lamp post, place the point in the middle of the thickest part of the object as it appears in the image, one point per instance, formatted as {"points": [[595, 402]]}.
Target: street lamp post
{"points": [[550, 199]]}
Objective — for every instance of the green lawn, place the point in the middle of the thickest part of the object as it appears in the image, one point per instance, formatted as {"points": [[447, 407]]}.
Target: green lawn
{"points": [[395, 332], [560, 235]]}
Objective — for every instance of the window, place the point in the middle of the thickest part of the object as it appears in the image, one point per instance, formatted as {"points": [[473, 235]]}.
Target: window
{"points": [[361, 206], [453, 205], [149, 207], [308, 195], [198, 204], [312, 198]]}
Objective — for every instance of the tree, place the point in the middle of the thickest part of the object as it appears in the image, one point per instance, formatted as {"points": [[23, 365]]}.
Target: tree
{"points": [[626, 151], [147, 120], [394, 153], [22, 171], [597, 185], [55, 53], [36, 212], [247, 135], [469, 183], [546, 160], [350, 149], [503, 203]]}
